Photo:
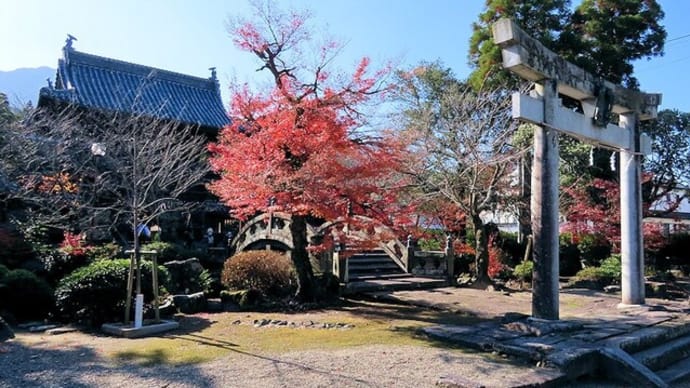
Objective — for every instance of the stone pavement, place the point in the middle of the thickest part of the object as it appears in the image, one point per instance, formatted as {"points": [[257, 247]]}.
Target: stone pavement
{"points": [[593, 335]]}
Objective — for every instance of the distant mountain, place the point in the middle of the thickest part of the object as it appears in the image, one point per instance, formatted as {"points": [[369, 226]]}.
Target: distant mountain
{"points": [[23, 85]]}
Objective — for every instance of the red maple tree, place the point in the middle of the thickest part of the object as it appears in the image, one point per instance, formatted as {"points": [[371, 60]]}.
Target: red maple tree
{"points": [[297, 147], [594, 209]]}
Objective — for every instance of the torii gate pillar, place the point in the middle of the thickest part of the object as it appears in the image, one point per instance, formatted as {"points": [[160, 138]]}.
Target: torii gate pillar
{"points": [[632, 247], [552, 76], [544, 209]]}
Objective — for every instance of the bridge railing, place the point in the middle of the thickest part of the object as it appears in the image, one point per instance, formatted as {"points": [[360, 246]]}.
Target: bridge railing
{"points": [[409, 257]]}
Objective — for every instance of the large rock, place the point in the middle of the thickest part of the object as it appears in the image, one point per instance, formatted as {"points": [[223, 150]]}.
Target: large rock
{"points": [[190, 304], [185, 276]]}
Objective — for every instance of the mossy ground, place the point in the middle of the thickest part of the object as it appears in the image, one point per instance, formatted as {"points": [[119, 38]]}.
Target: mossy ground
{"points": [[204, 337]]}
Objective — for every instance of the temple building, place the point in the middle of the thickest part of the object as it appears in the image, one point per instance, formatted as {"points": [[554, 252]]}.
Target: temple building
{"points": [[96, 83]]}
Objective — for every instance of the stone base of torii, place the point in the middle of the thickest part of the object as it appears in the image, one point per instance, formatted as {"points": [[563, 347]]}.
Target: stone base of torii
{"points": [[552, 76]]}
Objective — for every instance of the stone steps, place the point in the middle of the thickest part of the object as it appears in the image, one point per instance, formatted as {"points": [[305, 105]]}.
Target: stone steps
{"points": [[374, 264], [406, 282], [676, 372], [648, 348], [664, 354]]}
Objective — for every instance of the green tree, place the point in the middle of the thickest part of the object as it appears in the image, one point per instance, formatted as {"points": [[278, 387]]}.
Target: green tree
{"points": [[7, 116], [542, 19], [605, 36], [601, 36], [668, 167]]}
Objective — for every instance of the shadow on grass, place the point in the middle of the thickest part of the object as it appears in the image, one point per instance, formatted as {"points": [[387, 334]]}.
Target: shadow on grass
{"points": [[274, 361], [81, 366], [373, 309]]}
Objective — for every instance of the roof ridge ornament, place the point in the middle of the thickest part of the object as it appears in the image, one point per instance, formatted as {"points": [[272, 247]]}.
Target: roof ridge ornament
{"points": [[68, 42], [213, 73]]}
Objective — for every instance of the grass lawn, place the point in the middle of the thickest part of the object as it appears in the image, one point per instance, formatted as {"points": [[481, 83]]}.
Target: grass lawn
{"points": [[204, 337]]}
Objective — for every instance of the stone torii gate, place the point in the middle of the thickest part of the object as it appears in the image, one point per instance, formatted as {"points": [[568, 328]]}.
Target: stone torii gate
{"points": [[552, 76]]}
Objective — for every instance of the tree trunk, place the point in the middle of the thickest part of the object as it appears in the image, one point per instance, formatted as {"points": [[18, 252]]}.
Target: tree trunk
{"points": [[300, 259], [481, 251]]}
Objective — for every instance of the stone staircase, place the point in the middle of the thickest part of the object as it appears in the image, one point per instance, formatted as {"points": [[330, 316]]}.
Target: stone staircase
{"points": [[373, 264], [374, 270], [663, 349], [646, 348]]}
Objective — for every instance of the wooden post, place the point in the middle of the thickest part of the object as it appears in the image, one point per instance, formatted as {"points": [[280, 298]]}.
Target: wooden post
{"points": [[450, 260], [130, 282], [632, 246], [544, 207], [154, 280]]}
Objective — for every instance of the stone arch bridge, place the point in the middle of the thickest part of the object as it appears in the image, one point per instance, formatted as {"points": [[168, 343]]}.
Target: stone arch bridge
{"points": [[272, 231]]}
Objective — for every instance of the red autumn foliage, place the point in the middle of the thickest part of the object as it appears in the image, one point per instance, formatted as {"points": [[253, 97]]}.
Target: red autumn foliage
{"points": [[294, 148], [595, 210], [496, 259], [298, 147], [73, 244]]}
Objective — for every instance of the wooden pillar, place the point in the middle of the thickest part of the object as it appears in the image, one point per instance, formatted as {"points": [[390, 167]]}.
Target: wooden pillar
{"points": [[450, 260], [544, 208], [130, 283], [632, 246], [154, 279]]}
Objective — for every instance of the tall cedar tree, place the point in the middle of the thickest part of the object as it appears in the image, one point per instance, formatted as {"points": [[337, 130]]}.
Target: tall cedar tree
{"points": [[542, 19], [296, 148], [601, 36]]}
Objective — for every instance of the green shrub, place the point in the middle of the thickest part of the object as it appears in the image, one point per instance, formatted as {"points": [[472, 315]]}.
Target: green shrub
{"points": [[609, 272], [188, 277], [96, 293], [3, 271], [593, 249], [269, 272], [170, 251], [589, 274], [57, 264], [523, 271], [611, 267], [25, 295], [107, 251], [429, 244]]}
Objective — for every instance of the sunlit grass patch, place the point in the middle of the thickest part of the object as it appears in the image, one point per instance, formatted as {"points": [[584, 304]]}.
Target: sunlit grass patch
{"points": [[236, 333]]}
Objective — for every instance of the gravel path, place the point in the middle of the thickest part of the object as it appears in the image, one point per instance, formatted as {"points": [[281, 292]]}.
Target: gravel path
{"points": [[49, 364], [80, 360]]}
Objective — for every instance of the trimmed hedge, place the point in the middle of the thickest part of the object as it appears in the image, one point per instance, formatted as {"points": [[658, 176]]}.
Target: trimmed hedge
{"points": [[3, 271], [269, 272], [609, 272], [96, 293], [523, 271], [25, 295]]}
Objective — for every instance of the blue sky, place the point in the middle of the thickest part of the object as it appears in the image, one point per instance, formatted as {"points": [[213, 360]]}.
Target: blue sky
{"points": [[190, 36]]}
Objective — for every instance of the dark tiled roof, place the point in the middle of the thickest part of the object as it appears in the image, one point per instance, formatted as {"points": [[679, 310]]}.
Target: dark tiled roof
{"points": [[107, 84]]}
